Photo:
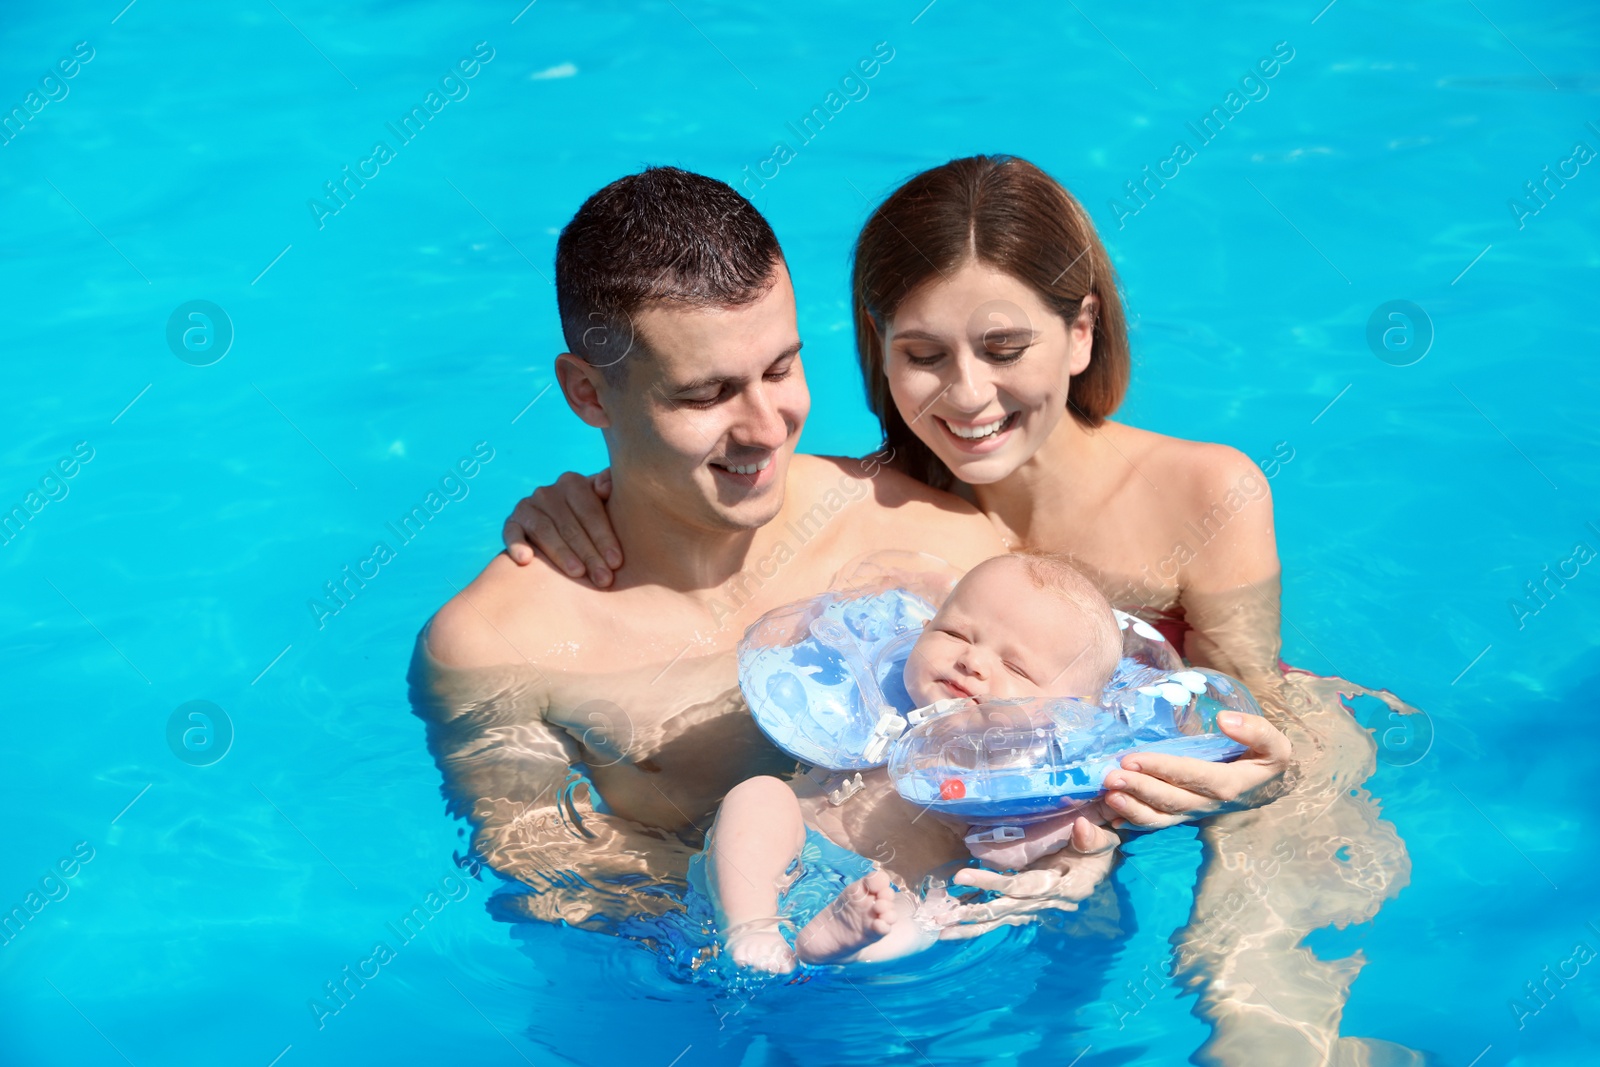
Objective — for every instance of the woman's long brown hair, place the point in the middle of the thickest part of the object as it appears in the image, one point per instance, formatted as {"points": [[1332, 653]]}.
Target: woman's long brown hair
{"points": [[1006, 213]]}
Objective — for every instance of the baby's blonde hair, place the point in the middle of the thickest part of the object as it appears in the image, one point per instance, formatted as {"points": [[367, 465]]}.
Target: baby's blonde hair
{"points": [[1054, 573]]}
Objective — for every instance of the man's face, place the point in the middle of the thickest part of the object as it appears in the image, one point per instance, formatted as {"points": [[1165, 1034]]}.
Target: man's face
{"points": [[707, 419]]}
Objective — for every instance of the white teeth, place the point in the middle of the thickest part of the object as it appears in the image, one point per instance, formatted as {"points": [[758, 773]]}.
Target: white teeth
{"points": [[986, 430], [752, 469]]}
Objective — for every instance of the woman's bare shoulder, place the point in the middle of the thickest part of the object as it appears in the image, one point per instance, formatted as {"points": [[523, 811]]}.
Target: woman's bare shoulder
{"points": [[1200, 470], [1215, 494]]}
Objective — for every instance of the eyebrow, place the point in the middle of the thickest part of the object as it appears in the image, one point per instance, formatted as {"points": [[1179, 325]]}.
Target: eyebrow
{"points": [[1006, 332], [734, 379], [915, 335]]}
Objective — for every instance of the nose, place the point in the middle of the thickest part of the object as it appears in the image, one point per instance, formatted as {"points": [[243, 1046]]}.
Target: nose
{"points": [[968, 389], [762, 420], [973, 662]]}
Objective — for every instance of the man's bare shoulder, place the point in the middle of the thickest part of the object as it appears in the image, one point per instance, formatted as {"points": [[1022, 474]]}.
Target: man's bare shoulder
{"points": [[501, 617], [890, 488], [901, 512]]}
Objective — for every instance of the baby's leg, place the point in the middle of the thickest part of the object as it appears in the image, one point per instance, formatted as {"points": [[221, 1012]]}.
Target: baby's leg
{"points": [[758, 834], [868, 922]]}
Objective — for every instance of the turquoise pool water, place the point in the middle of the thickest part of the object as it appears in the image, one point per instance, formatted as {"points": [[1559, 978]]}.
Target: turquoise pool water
{"points": [[365, 346]]}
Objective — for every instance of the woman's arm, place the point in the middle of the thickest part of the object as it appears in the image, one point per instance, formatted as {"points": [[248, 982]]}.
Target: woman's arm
{"points": [[1229, 596]]}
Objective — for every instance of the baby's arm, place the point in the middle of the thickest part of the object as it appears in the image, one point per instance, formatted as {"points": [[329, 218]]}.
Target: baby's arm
{"points": [[758, 834], [1083, 827]]}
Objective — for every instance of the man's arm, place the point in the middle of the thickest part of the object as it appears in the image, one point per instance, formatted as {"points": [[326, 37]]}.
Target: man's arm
{"points": [[511, 774]]}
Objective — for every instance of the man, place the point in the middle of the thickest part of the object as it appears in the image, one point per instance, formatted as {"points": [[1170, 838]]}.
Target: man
{"points": [[679, 317]]}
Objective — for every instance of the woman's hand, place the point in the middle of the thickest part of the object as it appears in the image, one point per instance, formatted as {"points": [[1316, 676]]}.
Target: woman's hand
{"points": [[1042, 838], [1055, 883], [1153, 790], [567, 521]]}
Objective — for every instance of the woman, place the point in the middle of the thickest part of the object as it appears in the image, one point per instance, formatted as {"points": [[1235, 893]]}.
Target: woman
{"points": [[994, 349]]}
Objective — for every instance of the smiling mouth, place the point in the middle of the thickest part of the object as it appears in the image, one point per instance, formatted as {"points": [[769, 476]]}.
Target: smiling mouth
{"points": [[981, 431], [745, 468], [746, 476], [955, 687]]}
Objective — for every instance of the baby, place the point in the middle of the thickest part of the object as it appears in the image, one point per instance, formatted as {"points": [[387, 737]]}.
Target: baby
{"points": [[1015, 626]]}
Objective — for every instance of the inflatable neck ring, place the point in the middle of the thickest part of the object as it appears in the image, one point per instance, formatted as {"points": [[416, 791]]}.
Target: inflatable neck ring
{"points": [[824, 681]]}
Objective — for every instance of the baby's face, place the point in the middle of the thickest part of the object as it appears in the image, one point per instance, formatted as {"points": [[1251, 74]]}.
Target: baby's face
{"points": [[998, 636]]}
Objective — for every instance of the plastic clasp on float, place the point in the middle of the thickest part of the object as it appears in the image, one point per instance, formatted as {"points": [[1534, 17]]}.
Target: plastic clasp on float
{"points": [[890, 726], [995, 835], [918, 716], [847, 789], [838, 787]]}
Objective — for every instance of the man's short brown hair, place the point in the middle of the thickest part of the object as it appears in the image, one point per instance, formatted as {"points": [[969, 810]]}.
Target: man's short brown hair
{"points": [[662, 236]]}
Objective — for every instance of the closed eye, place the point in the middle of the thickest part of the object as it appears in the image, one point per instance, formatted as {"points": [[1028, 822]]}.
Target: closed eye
{"points": [[1018, 671], [1003, 356], [780, 370], [702, 401]]}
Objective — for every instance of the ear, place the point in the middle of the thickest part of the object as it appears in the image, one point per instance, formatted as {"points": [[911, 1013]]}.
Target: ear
{"points": [[1081, 332], [584, 388]]}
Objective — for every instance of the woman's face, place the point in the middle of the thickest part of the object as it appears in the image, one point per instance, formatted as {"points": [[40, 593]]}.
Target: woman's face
{"points": [[979, 367]]}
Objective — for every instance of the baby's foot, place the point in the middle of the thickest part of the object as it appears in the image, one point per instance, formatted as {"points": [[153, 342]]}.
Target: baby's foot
{"points": [[859, 916], [760, 950]]}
